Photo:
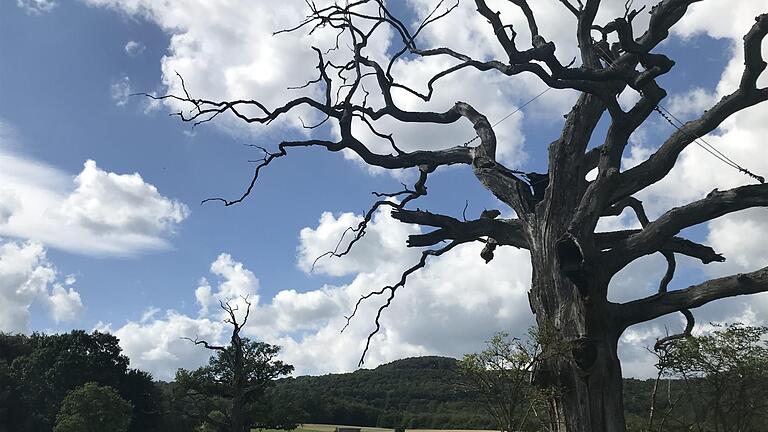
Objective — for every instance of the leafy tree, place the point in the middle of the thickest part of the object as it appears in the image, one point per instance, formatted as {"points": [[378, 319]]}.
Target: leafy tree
{"points": [[229, 392], [93, 408], [38, 371], [138, 387], [57, 364], [726, 376], [557, 211], [500, 376]]}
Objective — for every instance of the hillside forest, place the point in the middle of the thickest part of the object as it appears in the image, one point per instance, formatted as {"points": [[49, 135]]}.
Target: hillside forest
{"points": [[710, 383]]}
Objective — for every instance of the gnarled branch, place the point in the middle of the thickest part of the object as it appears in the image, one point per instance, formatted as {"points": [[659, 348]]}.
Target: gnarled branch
{"points": [[692, 297]]}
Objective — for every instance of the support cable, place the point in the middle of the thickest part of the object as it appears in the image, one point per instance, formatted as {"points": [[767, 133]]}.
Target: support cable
{"points": [[701, 142]]}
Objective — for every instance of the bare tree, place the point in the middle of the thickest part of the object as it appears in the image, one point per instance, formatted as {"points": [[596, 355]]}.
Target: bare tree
{"points": [[239, 372], [557, 211]]}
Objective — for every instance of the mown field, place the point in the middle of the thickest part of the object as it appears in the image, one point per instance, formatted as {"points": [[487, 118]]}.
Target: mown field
{"points": [[310, 427]]}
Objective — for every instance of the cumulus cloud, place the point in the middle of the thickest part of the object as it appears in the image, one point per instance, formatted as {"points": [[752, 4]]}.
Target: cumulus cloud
{"points": [[134, 48], [65, 303], [383, 245], [694, 101], [26, 277], [238, 287], [156, 344], [448, 308], [107, 204], [229, 52], [101, 213], [221, 52], [742, 238]]}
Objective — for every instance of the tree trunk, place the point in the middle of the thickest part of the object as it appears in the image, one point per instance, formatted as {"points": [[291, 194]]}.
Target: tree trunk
{"points": [[580, 367], [238, 418], [238, 384]]}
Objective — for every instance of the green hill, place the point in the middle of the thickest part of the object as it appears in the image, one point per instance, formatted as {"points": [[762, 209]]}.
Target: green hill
{"points": [[419, 392]]}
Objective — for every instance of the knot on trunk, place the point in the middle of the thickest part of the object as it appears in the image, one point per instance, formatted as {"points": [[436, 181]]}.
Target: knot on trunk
{"points": [[572, 263], [584, 352]]}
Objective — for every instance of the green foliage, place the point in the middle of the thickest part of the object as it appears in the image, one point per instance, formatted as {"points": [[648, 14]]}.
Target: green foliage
{"points": [[139, 388], [93, 408], [500, 376], [725, 377], [38, 371], [421, 392], [206, 393]]}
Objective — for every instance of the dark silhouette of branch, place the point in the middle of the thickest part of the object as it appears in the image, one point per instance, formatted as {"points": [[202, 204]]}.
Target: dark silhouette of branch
{"points": [[419, 190], [391, 289], [207, 345], [689, 323], [692, 297]]}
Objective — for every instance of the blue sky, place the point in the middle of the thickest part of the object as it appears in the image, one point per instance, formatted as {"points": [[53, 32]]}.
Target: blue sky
{"points": [[63, 76]]}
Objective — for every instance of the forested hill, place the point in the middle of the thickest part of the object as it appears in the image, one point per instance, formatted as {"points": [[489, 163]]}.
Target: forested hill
{"points": [[419, 392]]}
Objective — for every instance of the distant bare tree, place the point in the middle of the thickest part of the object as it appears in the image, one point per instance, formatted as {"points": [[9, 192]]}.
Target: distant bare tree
{"points": [[239, 373]]}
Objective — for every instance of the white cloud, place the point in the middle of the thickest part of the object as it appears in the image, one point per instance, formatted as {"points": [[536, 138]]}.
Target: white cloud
{"points": [[120, 204], [36, 7], [65, 303], [742, 238], [120, 91], [149, 314], [204, 296], [25, 276], [9, 204], [101, 213], [448, 308], [221, 51], [156, 345], [693, 102], [383, 245], [229, 52], [134, 48]]}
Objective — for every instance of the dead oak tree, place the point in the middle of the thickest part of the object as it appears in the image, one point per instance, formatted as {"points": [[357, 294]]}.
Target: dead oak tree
{"points": [[557, 212]]}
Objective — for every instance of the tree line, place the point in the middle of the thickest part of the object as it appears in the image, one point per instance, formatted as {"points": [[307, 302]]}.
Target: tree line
{"points": [[81, 382], [66, 382]]}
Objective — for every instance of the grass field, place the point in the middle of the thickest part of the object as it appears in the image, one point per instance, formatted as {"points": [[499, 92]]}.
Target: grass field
{"points": [[310, 427]]}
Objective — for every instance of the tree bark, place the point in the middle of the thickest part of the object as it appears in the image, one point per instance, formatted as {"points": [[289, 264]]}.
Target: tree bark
{"points": [[238, 384], [583, 375]]}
